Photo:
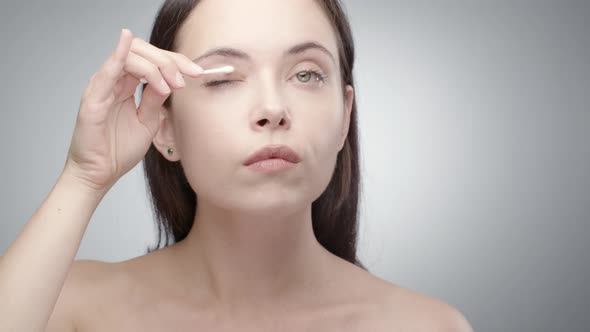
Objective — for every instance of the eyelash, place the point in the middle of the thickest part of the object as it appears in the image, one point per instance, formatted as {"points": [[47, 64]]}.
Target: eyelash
{"points": [[319, 77]]}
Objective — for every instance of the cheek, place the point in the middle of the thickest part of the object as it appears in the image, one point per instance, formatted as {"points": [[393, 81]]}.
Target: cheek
{"points": [[208, 140], [319, 119], [320, 132]]}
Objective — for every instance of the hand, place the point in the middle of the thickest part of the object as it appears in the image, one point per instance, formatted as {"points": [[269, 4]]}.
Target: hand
{"points": [[111, 134]]}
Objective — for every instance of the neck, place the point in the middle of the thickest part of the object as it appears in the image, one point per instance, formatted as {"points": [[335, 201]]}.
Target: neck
{"points": [[242, 259]]}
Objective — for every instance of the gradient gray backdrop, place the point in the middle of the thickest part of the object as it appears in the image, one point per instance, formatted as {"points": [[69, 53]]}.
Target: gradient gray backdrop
{"points": [[474, 123]]}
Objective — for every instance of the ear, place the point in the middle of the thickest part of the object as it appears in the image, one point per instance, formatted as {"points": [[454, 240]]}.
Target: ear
{"points": [[165, 137], [348, 102]]}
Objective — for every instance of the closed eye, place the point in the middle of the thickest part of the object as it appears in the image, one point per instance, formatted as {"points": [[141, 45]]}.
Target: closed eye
{"points": [[212, 84]]}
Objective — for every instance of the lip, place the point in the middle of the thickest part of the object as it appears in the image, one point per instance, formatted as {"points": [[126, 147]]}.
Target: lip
{"points": [[273, 152]]}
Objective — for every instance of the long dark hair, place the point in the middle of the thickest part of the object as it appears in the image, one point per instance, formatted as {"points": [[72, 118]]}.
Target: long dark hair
{"points": [[334, 213]]}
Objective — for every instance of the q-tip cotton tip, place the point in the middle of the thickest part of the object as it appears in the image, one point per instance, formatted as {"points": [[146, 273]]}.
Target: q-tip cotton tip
{"points": [[221, 70]]}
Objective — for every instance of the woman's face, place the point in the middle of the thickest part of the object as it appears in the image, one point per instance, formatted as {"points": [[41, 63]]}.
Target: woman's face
{"points": [[273, 97]]}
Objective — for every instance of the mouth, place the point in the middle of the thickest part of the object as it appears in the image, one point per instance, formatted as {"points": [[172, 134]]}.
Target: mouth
{"points": [[271, 165], [272, 158]]}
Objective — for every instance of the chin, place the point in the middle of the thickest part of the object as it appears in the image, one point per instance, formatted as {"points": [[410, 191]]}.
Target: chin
{"points": [[270, 205]]}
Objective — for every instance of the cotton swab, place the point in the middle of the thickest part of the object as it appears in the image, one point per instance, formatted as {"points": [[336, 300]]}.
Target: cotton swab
{"points": [[220, 70]]}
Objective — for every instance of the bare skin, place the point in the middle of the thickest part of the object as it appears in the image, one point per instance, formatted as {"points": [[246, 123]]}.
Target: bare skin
{"points": [[143, 294], [253, 263]]}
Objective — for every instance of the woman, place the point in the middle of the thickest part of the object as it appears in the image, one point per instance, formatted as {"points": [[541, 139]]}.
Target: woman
{"points": [[253, 175]]}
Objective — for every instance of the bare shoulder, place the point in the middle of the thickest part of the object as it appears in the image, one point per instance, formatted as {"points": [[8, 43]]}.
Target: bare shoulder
{"points": [[101, 295], [395, 308], [423, 312], [405, 309], [87, 282]]}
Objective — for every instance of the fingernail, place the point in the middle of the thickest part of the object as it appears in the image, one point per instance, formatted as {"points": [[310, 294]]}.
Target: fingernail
{"points": [[164, 86], [179, 79], [196, 68]]}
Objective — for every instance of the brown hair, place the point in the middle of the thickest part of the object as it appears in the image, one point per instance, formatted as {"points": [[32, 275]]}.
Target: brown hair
{"points": [[334, 213]]}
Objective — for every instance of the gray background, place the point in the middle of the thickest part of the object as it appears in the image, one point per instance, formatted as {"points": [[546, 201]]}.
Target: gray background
{"points": [[474, 124]]}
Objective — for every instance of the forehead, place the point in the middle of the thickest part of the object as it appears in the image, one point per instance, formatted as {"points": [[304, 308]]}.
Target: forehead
{"points": [[259, 27]]}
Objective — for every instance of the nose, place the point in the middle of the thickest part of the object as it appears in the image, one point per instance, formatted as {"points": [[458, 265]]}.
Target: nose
{"points": [[273, 119], [271, 112]]}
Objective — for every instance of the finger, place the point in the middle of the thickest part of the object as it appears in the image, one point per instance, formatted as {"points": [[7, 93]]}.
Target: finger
{"points": [[165, 64], [105, 79], [165, 59], [142, 68], [149, 107], [186, 65], [125, 88]]}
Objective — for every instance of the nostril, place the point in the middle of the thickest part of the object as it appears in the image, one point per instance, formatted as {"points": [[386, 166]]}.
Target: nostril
{"points": [[262, 122]]}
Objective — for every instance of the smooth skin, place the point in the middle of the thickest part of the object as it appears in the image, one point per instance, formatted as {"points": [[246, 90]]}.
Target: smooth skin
{"points": [[111, 136], [43, 289]]}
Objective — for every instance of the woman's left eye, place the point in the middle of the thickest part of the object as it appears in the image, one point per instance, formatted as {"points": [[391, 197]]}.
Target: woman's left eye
{"points": [[306, 75]]}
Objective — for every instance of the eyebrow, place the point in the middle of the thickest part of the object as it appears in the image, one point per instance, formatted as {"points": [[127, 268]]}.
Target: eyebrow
{"points": [[241, 55]]}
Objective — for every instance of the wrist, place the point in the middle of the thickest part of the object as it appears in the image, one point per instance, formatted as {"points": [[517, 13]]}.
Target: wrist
{"points": [[79, 185]]}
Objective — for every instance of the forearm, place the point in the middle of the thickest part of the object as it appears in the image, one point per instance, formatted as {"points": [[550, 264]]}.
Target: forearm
{"points": [[34, 267]]}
